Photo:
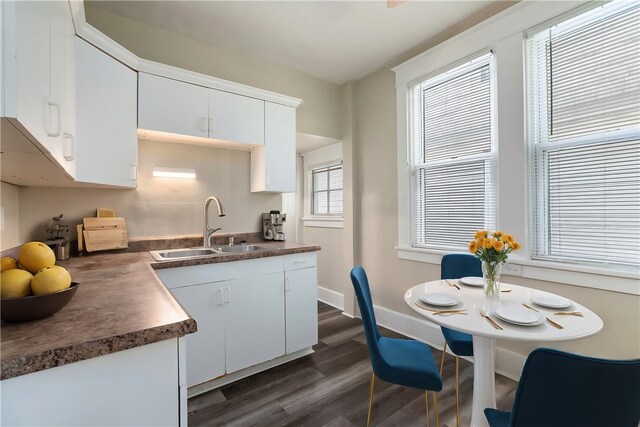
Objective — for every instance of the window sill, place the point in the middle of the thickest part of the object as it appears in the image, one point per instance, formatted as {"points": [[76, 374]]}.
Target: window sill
{"points": [[323, 222], [577, 275]]}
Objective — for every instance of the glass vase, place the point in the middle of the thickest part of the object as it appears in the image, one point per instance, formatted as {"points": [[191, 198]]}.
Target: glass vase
{"points": [[491, 274]]}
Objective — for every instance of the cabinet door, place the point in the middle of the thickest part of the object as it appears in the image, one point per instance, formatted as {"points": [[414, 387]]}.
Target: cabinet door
{"points": [[236, 118], [206, 348], [26, 76], [63, 84], [171, 106], [302, 308], [273, 167], [255, 320], [106, 118]]}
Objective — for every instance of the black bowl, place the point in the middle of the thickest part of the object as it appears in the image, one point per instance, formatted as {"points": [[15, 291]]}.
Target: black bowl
{"points": [[22, 309]]}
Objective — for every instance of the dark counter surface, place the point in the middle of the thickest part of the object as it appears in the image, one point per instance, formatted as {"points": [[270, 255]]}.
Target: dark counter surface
{"points": [[120, 304]]}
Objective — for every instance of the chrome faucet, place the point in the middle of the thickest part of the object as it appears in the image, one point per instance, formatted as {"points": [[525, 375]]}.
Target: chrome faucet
{"points": [[207, 232]]}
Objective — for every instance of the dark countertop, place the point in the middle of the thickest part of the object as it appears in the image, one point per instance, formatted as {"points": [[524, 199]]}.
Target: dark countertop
{"points": [[120, 304]]}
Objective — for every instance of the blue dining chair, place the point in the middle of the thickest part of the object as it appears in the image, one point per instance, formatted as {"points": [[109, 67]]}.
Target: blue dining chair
{"points": [[455, 266], [559, 389], [398, 361]]}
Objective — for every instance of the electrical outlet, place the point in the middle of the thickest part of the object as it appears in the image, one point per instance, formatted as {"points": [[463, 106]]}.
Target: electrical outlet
{"points": [[512, 270]]}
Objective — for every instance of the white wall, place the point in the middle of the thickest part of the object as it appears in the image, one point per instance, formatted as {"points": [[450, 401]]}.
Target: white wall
{"points": [[160, 206], [9, 197]]}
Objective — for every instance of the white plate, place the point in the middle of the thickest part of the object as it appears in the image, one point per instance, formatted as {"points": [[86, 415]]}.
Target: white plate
{"points": [[472, 281], [550, 300], [440, 299], [519, 316]]}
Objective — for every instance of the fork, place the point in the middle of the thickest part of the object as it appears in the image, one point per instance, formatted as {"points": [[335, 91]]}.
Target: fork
{"points": [[493, 322], [569, 313]]}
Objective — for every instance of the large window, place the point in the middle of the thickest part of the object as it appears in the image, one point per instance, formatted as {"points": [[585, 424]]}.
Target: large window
{"points": [[452, 155], [326, 187], [584, 93]]}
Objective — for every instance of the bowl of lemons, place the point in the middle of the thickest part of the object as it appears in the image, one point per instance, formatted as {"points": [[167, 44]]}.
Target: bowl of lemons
{"points": [[33, 287]]}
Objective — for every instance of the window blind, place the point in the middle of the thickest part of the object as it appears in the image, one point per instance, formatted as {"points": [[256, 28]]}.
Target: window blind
{"points": [[584, 82], [452, 155], [327, 190]]}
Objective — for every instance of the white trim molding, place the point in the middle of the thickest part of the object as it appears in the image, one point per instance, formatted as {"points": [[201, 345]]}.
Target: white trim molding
{"points": [[323, 221], [333, 298]]}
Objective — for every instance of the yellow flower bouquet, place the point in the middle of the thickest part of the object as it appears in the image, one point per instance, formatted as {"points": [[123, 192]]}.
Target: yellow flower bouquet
{"points": [[493, 249]]}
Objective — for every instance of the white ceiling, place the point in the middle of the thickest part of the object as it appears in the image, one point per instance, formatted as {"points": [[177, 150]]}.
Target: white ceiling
{"points": [[336, 41]]}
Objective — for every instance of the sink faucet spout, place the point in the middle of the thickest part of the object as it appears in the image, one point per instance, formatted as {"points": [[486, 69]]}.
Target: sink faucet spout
{"points": [[208, 231]]}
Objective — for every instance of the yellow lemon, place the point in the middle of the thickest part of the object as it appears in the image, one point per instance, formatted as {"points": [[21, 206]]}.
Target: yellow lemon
{"points": [[7, 263], [34, 256], [15, 283], [50, 279]]}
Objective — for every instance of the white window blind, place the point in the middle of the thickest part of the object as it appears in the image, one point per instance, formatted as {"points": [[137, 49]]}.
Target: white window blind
{"points": [[452, 155], [584, 83], [326, 184]]}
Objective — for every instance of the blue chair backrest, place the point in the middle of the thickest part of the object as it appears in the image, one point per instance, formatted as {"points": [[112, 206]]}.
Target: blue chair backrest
{"points": [[564, 389], [363, 295], [455, 266]]}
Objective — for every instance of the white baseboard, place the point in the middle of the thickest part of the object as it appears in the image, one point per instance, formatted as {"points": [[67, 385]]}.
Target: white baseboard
{"points": [[333, 298]]}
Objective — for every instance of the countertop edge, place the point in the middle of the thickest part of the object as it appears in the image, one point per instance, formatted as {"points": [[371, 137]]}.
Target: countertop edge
{"points": [[19, 366]]}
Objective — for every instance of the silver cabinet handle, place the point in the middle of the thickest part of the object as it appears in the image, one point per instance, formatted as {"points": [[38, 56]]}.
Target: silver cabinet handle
{"points": [[59, 116], [210, 126], [134, 172], [287, 284], [68, 147], [227, 299], [266, 179]]}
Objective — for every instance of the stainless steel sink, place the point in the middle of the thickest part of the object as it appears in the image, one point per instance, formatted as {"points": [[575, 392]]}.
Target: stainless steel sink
{"points": [[177, 254], [238, 249], [182, 254]]}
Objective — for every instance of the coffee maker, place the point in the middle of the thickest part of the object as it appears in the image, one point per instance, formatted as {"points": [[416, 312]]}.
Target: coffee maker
{"points": [[272, 224]]}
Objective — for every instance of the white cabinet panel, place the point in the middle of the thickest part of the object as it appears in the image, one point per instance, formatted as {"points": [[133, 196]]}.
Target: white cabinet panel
{"points": [[171, 106], [302, 309], [205, 349], [255, 320], [106, 137], [236, 118], [273, 167], [131, 387], [62, 50]]}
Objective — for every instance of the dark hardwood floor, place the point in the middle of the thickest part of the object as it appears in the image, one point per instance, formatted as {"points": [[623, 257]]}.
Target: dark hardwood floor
{"points": [[331, 388]]}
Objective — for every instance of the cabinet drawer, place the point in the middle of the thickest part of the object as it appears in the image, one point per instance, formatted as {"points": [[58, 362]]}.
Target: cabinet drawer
{"points": [[298, 261], [208, 273]]}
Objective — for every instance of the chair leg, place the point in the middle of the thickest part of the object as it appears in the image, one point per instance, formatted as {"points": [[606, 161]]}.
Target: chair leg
{"points": [[426, 400], [435, 405], [373, 381], [444, 351], [457, 392]]}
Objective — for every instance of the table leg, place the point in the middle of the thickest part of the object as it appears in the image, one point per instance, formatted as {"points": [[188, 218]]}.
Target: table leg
{"points": [[484, 381]]}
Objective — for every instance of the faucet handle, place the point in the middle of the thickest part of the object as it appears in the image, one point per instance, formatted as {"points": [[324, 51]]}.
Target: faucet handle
{"points": [[232, 240]]}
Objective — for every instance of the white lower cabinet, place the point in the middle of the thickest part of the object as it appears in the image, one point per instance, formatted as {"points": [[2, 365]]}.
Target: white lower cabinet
{"points": [[248, 312], [137, 387], [302, 328]]}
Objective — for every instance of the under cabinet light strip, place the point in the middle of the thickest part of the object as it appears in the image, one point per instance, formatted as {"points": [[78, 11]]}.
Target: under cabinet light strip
{"points": [[174, 173]]}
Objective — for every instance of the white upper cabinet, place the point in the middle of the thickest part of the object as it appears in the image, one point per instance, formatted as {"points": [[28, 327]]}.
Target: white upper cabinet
{"points": [[38, 81], [170, 106], [273, 167], [175, 107], [236, 118], [106, 100]]}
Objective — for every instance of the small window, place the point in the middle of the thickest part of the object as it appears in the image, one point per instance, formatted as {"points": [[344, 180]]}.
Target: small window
{"points": [[326, 189]]}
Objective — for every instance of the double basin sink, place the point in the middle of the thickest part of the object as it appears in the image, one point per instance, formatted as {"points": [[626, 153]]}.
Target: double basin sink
{"points": [[181, 254]]}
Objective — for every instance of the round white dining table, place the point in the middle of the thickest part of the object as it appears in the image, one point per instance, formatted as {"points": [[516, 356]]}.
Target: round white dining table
{"points": [[472, 299]]}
